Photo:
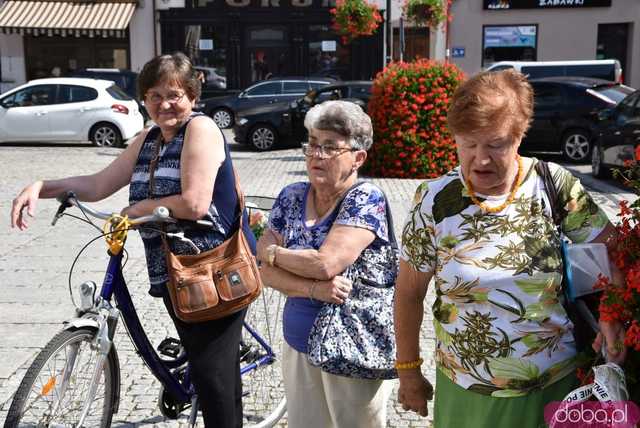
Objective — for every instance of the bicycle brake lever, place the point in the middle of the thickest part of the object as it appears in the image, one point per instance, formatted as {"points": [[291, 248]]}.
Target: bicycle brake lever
{"points": [[63, 198]]}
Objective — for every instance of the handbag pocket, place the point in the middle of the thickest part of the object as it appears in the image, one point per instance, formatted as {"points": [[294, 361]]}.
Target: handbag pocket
{"points": [[195, 291], [235, 279]]}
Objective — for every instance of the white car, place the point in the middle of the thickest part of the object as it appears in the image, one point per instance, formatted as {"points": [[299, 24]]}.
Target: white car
{"points": [[69, 109]]}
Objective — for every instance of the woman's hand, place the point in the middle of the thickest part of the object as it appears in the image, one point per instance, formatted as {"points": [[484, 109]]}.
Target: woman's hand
{"points": [[613, 333], [415, 391], [269, 237], [28, 199], [335, 290]]}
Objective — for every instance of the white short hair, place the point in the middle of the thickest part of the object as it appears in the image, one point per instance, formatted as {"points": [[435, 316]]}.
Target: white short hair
{"points": [[344, 118]]}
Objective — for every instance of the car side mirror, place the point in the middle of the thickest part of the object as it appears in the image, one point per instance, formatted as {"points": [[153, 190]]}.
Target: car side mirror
{"points": [[8, 104]]}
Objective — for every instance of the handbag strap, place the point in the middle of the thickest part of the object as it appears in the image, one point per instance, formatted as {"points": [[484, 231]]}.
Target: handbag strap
{"points": [[542, 168]]}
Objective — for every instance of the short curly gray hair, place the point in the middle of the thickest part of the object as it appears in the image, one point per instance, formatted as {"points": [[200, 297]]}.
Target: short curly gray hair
{"points": [[344, 118]]}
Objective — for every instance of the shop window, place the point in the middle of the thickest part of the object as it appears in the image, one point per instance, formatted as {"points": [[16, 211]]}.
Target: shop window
{"points": [[416, 43], [327, 56], [206, 47], [509, 43], [50, 56], [613, 42]]}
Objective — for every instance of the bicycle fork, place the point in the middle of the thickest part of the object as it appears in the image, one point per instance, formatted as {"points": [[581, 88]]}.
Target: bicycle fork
{"points": [[102, 342]]}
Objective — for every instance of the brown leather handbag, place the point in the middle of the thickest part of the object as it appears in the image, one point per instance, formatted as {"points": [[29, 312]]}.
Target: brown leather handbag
{"points": [[215, 283]]}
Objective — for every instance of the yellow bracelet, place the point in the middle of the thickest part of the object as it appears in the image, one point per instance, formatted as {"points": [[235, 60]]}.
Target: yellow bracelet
{"points": [[409, 365]]}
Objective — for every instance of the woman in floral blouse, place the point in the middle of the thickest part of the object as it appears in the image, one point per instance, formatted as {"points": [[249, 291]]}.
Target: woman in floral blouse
{"points": [[317, 230], [484, 232]]}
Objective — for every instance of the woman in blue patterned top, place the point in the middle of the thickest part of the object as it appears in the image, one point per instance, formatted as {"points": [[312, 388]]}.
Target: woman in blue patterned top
{"points": [[194, 178], [317, 230]]}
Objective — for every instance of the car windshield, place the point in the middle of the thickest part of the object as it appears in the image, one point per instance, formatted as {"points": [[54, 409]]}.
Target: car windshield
{"points": [[615, 93]]}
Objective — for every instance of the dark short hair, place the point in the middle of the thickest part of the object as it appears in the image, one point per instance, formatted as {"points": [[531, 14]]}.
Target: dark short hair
{"points": [[176, 67]]}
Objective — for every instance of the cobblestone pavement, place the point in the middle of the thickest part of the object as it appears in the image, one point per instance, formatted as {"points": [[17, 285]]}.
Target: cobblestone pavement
{"points": [[34, 267]]}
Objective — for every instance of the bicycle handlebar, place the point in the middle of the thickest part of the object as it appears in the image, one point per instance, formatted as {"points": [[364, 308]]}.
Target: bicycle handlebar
{"points": [[68, 199]]}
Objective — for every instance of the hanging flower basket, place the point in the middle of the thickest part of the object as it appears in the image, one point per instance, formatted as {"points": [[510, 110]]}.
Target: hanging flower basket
{"points": [[426, 13], [355, 18]]}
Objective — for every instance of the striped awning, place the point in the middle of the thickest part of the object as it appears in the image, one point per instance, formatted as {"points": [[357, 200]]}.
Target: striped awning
{"points": [[66, 18]]}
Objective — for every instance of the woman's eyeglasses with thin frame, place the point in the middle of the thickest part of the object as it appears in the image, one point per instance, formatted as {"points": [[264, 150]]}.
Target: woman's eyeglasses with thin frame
{"points": [[324, 152], [172, 98]]}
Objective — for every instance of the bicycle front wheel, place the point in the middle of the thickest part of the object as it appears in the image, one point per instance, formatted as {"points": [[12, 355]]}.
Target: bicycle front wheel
{"points": [[263, 398], [53, 390]]}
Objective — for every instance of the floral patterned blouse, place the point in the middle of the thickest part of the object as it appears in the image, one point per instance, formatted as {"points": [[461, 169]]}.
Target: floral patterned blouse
{"points": [[363, 206], [500, 327]]}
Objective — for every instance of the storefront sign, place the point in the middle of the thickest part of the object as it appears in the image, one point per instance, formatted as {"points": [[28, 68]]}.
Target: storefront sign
{"points": [[510, 36], [543, 4]]}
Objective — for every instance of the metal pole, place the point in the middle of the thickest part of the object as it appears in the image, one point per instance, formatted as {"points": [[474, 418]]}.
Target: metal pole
{"points": [[389, 52]]}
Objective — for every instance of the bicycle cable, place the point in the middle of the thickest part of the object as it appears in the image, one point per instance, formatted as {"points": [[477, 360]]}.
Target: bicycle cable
{"points": [[102, 235], [87, 217]]}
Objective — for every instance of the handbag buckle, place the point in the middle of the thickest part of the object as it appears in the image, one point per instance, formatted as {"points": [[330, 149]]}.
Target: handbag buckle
{"points": [[235, 279]]}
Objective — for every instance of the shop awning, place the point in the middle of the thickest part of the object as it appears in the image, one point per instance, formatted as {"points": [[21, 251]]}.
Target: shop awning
{"points": [[66, 18]]}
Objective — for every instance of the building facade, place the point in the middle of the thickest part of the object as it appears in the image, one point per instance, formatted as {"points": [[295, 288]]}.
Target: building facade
{"points": [[486, 31], [49, 38], [242, 40], [249, 40]]}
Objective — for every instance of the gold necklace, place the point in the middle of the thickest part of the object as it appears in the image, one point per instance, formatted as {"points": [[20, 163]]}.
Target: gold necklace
{"points": [[512, 194]]}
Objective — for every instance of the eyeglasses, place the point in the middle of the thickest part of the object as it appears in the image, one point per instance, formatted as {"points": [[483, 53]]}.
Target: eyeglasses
{"points": [[324, 152], [172, 98]]}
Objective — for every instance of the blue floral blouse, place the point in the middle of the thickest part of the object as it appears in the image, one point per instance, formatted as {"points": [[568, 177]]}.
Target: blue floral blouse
{"points": [[364, 206]]}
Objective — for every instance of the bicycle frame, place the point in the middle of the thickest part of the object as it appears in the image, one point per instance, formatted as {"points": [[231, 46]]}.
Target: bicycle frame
{"points": [[114, 284]]}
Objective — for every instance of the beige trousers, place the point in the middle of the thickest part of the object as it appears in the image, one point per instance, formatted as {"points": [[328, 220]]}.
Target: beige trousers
{"points": [[316, 399]]}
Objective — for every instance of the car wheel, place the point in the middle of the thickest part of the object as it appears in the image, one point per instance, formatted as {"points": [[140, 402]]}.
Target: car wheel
{"points": [[106, 135], [222, 117], [598, 169], [263, 137], [576, 145]]}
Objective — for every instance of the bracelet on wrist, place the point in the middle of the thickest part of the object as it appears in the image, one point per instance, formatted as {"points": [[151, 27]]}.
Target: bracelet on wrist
{"points": [[409, 364], [311, 289]]}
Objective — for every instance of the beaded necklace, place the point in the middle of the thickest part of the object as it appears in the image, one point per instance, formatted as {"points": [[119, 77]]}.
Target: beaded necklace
{"points": [[510, 198]]}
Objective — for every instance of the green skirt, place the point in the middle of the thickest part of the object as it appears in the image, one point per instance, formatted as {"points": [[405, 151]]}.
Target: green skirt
{"points": [[455, 407]]}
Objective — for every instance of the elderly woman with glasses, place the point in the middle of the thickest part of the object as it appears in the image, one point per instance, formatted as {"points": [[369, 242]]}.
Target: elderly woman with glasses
{"points": [[317, 229], [485, 233], [194, 178]]}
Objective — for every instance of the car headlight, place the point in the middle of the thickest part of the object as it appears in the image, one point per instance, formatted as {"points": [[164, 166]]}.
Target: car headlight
{"points": [[242, 121]]}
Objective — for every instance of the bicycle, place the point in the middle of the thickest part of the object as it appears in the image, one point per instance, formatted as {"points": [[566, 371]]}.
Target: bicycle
{"points": [[75, 380]]}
